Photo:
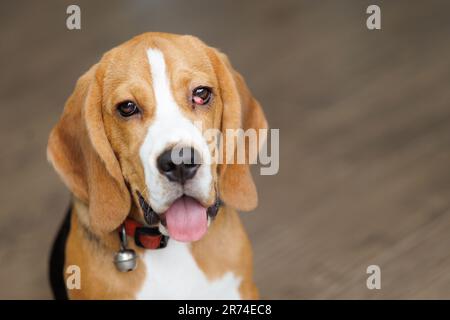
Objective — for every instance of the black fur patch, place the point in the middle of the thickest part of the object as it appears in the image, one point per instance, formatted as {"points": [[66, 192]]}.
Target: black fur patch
{"points": [[57, 259]]}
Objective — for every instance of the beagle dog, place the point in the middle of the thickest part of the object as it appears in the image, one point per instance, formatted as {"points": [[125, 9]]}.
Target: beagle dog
{"points": [[112, 148]]}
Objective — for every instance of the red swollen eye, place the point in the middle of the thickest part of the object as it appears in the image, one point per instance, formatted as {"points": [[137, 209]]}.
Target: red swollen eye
{"points": [[201, 95]]}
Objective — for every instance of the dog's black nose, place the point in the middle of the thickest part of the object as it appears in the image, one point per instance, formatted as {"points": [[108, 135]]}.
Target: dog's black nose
{"points": [[180, 165]]}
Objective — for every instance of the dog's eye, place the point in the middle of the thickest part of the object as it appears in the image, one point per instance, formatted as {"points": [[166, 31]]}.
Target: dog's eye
{"points": [[201, 95], [127, 108]]}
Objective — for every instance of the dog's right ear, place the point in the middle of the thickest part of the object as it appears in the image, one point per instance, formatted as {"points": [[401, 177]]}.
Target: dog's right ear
{"points": [[80, 152]]}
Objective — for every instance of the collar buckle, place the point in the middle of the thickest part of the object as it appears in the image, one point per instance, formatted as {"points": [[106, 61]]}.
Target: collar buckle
{"points": [[145, 237], [150, 238]]}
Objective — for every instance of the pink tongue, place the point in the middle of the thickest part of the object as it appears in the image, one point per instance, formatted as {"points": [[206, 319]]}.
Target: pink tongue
{"points": [[186, 219]]}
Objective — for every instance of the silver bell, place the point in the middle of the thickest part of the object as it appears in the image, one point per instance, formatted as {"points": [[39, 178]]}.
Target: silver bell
{"points": [[125, 259]]}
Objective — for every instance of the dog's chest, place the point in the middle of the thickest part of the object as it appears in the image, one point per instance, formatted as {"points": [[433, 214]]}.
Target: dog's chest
{"points": [[172, 273]]}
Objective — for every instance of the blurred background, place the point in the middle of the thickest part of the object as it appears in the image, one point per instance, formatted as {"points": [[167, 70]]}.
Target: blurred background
{"points": [[364, 119]]}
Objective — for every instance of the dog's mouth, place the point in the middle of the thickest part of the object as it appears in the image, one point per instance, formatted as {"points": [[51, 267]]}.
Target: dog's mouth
{"points": [[186, 219]]}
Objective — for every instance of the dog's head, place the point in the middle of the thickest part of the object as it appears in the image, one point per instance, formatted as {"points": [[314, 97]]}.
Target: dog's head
{"points": [[146, 98]]}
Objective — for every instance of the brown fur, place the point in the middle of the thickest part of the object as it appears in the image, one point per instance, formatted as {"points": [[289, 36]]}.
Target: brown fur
{"points": [[95, 151]]}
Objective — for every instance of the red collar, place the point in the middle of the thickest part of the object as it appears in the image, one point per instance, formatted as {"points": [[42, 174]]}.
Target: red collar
{"points": [[145, 237]]}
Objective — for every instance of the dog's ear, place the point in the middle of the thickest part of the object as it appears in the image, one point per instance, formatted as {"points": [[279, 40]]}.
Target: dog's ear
{"points": [[80, 151], [240, 111]]}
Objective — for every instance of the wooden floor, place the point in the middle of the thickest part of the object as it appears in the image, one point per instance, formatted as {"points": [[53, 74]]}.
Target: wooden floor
{"points": [[364, 119]]}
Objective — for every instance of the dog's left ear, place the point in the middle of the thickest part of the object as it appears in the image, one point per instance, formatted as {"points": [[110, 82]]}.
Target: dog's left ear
{"points": [[240, 111], [81, 153]]}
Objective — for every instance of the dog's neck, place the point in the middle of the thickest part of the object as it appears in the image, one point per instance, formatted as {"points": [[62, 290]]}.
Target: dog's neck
{"points": [[80, 211]]}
